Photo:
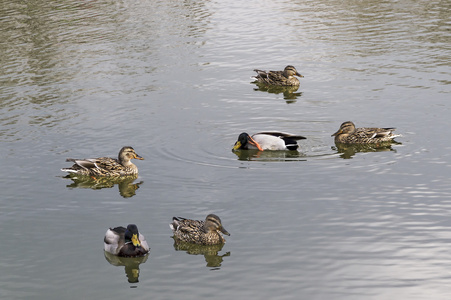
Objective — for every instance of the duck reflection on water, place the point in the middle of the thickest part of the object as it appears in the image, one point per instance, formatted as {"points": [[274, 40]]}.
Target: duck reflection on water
{"points": [[131, 265], [125, 184], [210, 252], [289, 92], [257, 155], [347, 151]]}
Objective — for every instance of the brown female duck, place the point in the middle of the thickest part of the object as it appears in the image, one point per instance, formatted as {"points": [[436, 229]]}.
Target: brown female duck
{"points": [[106, 166], [348, 134], [282, 78], [206, 232]]}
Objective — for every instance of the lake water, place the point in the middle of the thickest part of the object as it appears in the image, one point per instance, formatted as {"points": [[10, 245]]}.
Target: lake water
{"points": [[172, 79]]}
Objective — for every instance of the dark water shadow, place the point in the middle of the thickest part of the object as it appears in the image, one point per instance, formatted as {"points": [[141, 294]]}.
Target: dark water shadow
{"points": [[347, 151], [289, 92], [269, 155], [210, 252], [131, 265], [125, 184]]}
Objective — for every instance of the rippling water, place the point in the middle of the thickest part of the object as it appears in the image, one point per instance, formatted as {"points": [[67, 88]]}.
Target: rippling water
{"points": [[172, 79]]}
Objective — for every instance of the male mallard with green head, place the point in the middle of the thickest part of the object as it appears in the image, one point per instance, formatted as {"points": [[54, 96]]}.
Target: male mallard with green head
{"points": [[348, 134], [106, 166], [283, 78], [208, 232], [126, 242], [268, 140]]}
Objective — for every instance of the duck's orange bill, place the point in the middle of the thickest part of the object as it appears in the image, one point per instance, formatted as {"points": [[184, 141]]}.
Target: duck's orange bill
{"points": [[138, 157]]}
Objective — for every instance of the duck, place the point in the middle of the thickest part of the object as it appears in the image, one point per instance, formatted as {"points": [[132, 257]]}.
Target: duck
{"points": [[125, 242], [268, 140], [283, 78], [349, 134], [208, 232], [106, 166]]}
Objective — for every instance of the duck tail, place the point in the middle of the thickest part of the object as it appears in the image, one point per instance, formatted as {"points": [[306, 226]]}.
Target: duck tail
{"points": [[293, 147], [175, 223], [261, 74]]}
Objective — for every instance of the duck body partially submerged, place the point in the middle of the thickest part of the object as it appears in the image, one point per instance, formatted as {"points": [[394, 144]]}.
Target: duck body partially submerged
{"points": [[106, 166], [125, 242], [280, 78], [268, 140], [349, 134], [208, 232]]}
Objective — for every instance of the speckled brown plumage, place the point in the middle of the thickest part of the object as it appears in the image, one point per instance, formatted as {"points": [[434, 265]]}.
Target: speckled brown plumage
{"points": [[282, 78], [348, 134], [106, 166], [206, 232]]}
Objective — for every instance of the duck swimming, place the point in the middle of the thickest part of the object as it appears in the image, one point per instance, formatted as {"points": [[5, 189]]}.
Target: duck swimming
{"points": [[106, 166], [283, 78], [349, 134], [208, 232], [125, 242], [268, 140]]}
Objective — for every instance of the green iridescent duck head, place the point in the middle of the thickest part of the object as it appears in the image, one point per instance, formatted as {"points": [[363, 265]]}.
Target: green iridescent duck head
{"points": [[243, 142]]}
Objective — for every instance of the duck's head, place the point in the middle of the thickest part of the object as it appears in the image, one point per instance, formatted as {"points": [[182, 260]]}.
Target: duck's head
{"points": [[213, 223], [127, 153], [132, 235], [345, 128], [244, 140], [291, 71]]}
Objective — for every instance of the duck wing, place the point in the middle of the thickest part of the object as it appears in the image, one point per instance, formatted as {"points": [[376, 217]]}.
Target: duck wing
{"points": [[186, 226], [272, 140], [87, 163], [375, 132], [383, 132], [276, 77], [143, 242], [270, 77], [261, 73], [283, 135], [114, 240], [107, 163], [262, 76]]}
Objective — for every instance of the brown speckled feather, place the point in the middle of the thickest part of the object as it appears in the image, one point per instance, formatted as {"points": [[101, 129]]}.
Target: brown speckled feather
{"points": [[106, 166], [282, 78], [348, 134], [206, 232]]}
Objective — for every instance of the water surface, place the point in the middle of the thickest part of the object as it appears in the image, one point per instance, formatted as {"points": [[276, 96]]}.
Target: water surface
{"points": [[172, 79]]}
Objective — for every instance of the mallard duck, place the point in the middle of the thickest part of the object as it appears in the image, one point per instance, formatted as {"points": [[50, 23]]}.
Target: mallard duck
{"points": [[206, 232], [348, 134], [106, 166], [125, 242], [268, 140], [285, 77]]}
